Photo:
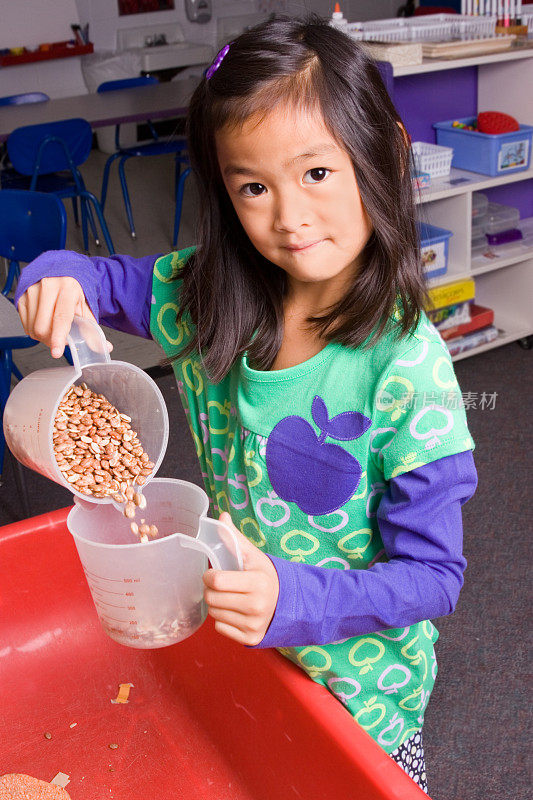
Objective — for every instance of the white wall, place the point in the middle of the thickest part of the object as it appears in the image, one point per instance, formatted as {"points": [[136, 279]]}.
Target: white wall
{"points": [[104, 21], [32, 22]]}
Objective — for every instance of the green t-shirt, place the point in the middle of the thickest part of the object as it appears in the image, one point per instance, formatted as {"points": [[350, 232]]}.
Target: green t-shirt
{"points": [[300, 458]]}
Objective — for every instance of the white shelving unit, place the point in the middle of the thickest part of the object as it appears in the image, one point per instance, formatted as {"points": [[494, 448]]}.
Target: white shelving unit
{"points": [[505, 282], [439, 64]]}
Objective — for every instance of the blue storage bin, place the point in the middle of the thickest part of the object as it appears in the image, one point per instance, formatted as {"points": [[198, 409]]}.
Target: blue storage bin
{"points": [[433, 249], [490, 154]]}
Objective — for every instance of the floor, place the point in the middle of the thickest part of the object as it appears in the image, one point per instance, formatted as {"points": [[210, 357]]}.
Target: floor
{"points": [[151, 186]]}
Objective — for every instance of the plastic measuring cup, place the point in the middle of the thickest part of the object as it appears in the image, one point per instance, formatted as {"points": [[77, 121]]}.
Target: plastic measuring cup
{"points": [[148, 594], [32, 405], [151, 595]]}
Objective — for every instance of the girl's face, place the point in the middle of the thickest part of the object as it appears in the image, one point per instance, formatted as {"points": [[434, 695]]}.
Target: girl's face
{"points": [[295, 192]]}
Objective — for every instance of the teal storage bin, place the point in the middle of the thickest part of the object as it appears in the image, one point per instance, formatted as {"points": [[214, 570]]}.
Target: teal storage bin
{"points": [[490, 154], [433, 249]]}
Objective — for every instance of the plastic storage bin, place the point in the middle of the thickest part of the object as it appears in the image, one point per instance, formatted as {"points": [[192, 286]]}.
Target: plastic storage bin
{"points": [[478, 229], [526, 226], [502, 224], [500, 218], [434, 249], [432, 158], [430, 27], [486, 153], [195, 714], [480, 204]]}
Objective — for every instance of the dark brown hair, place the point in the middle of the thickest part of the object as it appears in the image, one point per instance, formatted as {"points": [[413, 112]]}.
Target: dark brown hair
{"points": [[232, 293]]}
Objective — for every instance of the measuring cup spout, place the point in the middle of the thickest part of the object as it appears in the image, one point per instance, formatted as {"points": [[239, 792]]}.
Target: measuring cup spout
{"points": [[87, 343], [218, 542]]}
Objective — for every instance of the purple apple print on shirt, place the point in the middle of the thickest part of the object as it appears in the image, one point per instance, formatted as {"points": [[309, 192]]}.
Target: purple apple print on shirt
{"points": [[303, 469]]}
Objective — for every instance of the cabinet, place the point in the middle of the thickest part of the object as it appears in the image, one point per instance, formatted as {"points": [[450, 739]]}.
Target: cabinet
{"points": [[502, 82]]}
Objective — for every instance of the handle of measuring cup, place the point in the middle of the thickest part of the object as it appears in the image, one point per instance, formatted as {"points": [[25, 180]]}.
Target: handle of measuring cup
{"points": [[219, 544], [87, 343]]}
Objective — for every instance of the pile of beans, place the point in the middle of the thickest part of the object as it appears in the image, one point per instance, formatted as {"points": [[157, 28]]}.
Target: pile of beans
{"points": [[98, 452]]}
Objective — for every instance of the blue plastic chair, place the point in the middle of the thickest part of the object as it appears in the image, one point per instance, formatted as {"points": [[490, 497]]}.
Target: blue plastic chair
{"points": [[12, 336], [30, 223], [155, 148], [46, 157], [18, 100], [26, 97]]}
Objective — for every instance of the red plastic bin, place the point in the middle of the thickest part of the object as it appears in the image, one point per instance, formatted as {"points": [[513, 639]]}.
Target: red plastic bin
{"points": [[206, 718]]}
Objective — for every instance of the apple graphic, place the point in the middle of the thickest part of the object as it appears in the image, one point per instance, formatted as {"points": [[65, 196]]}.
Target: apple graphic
{"points": [[303, 469]]}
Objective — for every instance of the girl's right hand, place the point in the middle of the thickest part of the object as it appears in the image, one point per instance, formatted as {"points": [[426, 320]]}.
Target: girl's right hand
{"points": [[47, 309]]}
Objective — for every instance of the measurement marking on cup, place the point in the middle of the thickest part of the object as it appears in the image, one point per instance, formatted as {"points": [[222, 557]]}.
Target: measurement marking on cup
{"points": [[102, 604], [106, 591], [114, 580]]}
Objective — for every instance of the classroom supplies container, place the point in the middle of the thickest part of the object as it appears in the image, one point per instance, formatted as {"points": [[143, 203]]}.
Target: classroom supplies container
{"points": [[500, 218], [486, 153], [433, 159], [420, 180], [479, 240], [526, 226], [197, 714], [478, 227], [434, 243], [428, 28], [401, 29], [480, 204]]}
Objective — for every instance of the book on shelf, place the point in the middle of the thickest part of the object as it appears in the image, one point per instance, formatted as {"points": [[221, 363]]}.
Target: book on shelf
{"points": [[480, 317], [451, 316], [475, 339], [451, 294]]}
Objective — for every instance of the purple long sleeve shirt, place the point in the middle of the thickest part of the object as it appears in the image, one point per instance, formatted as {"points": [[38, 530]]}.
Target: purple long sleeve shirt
{"points": [[419, 515]]}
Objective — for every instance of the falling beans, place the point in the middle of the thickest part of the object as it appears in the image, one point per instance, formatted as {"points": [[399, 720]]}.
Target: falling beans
{"points": [[139, 500], [99, 454]]}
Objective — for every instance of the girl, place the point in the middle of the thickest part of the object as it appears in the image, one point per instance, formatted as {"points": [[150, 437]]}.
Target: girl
{"points": [[324, 406]]}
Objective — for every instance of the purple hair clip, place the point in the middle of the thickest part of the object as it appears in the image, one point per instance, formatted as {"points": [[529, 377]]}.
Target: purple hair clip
{"points": [[217, 62]]}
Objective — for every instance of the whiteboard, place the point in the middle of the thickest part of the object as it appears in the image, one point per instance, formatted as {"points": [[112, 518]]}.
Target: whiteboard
{"points": [[33, 22]]}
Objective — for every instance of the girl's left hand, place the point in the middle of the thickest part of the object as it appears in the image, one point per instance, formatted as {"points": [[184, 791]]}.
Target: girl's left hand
{"points": [[243, 603]]}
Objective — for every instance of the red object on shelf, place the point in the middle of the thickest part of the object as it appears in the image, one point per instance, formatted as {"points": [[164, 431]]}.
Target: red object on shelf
{"points": [[495, 122], [55, 50], [481, 317], [206, 718]]}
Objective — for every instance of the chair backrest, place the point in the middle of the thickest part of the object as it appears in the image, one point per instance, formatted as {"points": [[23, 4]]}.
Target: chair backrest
{"points": [[127, 83], [27, 97], [30, 223], [24, 146]]}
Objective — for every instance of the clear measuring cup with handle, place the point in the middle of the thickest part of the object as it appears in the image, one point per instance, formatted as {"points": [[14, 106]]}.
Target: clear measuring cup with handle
{"points": [[151, 595], [33, 404], [163, 603]]}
